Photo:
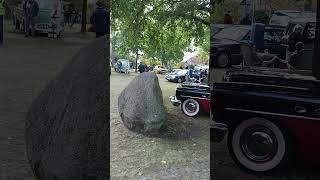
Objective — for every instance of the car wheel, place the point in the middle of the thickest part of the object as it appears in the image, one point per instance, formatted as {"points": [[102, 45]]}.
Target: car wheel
{"points": [[190, 107], [259, 145], [223, 61]]}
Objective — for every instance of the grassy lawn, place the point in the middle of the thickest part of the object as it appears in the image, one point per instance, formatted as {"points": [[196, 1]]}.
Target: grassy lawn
{"points": [[181, 151]]}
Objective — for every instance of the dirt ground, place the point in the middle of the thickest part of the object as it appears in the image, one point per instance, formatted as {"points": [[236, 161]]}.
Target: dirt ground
{"points": [[26, 65], [181, 151]]}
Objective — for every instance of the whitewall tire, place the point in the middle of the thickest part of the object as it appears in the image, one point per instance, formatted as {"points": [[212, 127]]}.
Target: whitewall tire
{"points": [[258, 145], [190, 107]]}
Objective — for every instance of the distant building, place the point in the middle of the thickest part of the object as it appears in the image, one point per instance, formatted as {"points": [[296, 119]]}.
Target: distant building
{"points": [[191, 61]]}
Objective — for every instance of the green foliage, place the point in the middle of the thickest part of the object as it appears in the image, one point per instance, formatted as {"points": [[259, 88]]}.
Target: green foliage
{"points": [[261, 17], [161, 29], [220, 8]]}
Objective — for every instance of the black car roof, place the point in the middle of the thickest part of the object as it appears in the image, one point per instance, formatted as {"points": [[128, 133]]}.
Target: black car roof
{"points": [[304, 20]]}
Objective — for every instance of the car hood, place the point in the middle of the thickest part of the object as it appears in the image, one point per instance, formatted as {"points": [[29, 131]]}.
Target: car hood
{"points": [[223, 42]]}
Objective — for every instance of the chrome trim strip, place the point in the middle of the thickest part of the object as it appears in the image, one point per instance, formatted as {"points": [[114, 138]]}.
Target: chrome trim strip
{"points": [[245, 83], [195, 97], [270, 113]]}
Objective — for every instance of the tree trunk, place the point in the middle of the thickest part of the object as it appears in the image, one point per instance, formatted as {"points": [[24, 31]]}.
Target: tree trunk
{"points": [[316, 52], [137, 57], [84, 16]]}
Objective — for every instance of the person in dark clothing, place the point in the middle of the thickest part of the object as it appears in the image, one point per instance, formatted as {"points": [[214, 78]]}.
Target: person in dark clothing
{"points": [[141, 68], [295, 37], [100, 20], [227, 18], [31, 9], [246, 20]]}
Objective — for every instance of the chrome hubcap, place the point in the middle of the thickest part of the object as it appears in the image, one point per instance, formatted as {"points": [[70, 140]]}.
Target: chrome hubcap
{"points": [[191, 107], [259, 144]]}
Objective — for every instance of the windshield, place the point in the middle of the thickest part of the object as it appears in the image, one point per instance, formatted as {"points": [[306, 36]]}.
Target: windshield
{"points": [[175, 72], [182, 72], [279, 20], [233, 33], [48, 4]]}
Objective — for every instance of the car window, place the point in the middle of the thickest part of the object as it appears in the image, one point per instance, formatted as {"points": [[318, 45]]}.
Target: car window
{"points": [[182, 72], [273, 35], [279, 20]]}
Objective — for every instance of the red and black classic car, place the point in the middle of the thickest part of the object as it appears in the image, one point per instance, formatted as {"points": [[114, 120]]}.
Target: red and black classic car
{"points": [[269, 116], [193, 99]]}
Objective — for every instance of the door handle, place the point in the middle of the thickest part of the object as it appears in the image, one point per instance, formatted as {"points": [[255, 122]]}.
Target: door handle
{"points": [[300, 109]]}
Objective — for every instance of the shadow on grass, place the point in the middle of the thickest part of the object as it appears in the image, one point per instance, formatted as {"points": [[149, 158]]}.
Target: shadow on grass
{"points": [[179, 127]]}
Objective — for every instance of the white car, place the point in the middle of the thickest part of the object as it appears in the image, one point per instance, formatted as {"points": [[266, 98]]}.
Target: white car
{"points": [[159, 69]]}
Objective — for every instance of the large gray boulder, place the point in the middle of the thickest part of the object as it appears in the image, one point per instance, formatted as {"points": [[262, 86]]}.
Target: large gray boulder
{"points": [[140, 104], [67, 125]]}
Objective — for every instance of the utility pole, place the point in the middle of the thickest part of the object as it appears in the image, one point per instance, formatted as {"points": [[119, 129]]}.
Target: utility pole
{"points": [[253, 9], [84, 16], [2, 10], [316, 52]]}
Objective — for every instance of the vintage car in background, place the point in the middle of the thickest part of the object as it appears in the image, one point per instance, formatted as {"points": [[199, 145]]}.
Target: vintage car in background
{"points": [[282, 17], [42, 21], [177, 76], [193, 99], [215, 28], [225, 45], [308, 25], [122, 66], [271, 117], [160, 69]]}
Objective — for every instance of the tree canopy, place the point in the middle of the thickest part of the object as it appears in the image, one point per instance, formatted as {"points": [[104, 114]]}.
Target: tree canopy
{"points": [[161, 30]]}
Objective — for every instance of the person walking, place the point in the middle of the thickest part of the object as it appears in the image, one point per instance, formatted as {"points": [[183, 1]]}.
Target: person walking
{"points": [[100, 20], [228, 18], [31, 9], [1, 21], [141, 68]]}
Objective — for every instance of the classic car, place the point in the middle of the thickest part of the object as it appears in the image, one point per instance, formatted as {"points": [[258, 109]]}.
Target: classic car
{"points": [[122, 66], [270, 116], [177, 75], [159, 69], [225, 45], [308, 25], [282, 17], [193, 99]]}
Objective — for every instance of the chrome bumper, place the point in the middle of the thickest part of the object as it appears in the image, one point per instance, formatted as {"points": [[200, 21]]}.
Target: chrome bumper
{"points": [[217, 131], [175, 101]]}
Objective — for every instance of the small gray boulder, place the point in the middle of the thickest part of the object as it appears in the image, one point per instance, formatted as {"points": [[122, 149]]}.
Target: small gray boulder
{"points": [[141, 106]]}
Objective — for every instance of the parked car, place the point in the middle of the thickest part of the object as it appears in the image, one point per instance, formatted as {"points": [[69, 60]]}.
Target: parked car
{"points": [[271, 117], [282, 17], [160, 69], [177, 76], [225, 46], [42, 21], [122, 66], [308, 25], [193, 99], [215, 28]]}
